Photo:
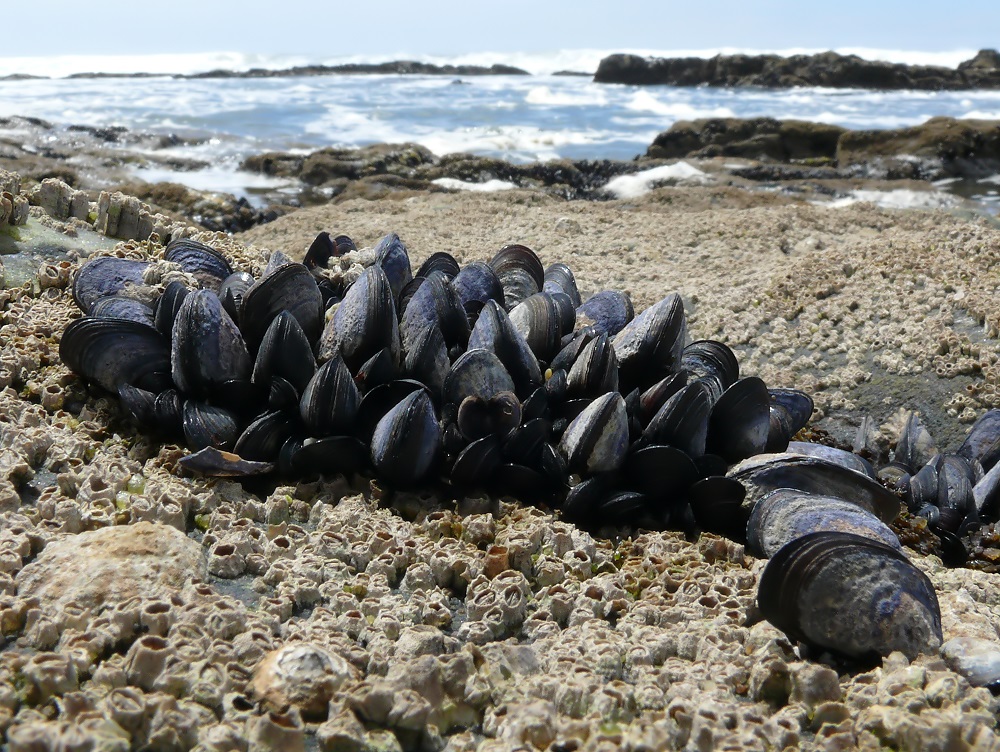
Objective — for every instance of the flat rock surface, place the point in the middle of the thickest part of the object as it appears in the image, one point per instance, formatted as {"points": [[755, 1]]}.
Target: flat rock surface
{"points": [[103, 568]]}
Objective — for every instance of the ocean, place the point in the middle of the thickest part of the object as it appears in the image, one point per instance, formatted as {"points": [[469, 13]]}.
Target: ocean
{"points": [[517, 118]]}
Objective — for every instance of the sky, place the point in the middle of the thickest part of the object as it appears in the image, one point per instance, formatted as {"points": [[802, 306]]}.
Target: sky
{"points": [[380, 29]]}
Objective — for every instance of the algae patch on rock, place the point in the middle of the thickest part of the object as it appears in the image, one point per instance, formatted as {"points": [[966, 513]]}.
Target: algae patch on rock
{"points": [[107, 566]]}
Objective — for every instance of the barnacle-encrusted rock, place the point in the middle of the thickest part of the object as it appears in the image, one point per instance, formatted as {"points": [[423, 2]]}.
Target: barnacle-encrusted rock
{"points": [[101, 568]]}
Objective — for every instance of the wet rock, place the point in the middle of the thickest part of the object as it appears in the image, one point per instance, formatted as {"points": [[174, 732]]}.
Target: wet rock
{"points": [[754, 138], [823, 69], [103, 567]]}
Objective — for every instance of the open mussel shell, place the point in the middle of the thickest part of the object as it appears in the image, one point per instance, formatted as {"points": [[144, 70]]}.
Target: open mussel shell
{"points": [[103, 276], [201, 261], [850, 595], [597, 439], [406, 441], [112, 352], [288, 287], [207, 348], [520, 272], [767, 472], [215, 462], [607, 311], [786, 514]]}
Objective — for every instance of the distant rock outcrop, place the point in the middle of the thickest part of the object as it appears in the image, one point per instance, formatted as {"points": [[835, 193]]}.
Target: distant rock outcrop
{"points": [[824, 69], [940, 147]]}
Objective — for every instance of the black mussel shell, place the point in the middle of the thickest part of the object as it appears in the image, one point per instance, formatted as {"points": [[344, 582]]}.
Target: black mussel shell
{"points": [[103, 276], [559, 278], [284, 352], [607, 311], [391, 255], [289, 287], [330, 401], [120, 307], [650, 345], [207, 348], [208, 426], [850, 595], [364, 323], [263, 438], [201, 261], [596, 440], [717, 505], [214, 462], [521, 273], [495, 332], [478, 283], [112, 352], [407, 441], [499, 415], [739, 424], [439, 262], [333, 455], [476, 464], [167, 306]]}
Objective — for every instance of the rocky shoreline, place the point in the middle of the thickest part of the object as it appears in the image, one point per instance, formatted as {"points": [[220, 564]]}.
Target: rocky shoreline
{"points": [[142, 608], [828, 69]]}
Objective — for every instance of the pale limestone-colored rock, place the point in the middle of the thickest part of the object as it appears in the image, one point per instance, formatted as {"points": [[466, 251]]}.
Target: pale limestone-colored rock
{"points": [[976, 659], [101, 568], [301, 675]]}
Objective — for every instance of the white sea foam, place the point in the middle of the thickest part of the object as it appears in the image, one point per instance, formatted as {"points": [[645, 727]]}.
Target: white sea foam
{"points": [[639, 183], [899, 198], [644, 101], [543, 95], [461, 185]]}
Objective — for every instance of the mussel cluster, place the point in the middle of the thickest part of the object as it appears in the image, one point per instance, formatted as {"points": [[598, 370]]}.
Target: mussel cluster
{"points": [[498, 377], [492, 377]]}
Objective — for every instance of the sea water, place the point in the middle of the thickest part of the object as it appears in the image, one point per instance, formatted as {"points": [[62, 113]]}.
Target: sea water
{"points": [[519, 118]]}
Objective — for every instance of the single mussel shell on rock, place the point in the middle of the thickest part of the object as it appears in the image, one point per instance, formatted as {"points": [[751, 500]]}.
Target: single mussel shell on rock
{"points": [[650, 345], [285, 287], [596, 440], [364, 323], [768, 472], [217, 463], [786, 514], [121, 307], [607, 311], [207, 349], [407, 441], [520, 272], [201, 261], [103, 276], [112, 352], [850, 595]]}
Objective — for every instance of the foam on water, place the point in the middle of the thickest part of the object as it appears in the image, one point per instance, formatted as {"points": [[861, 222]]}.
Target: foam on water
{"points": [[489, 186], [639, 183], [899, 198]]}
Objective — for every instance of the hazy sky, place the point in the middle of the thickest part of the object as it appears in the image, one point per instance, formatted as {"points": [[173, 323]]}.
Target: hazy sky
{"points": [[380, 28]]}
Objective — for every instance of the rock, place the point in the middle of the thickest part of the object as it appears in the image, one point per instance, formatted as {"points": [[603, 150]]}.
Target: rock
{"points": [[13, 205], [976, 659], [401, 67], [100, 568], [941, 147], [983, 60], [756, 138], [823, 69]]}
